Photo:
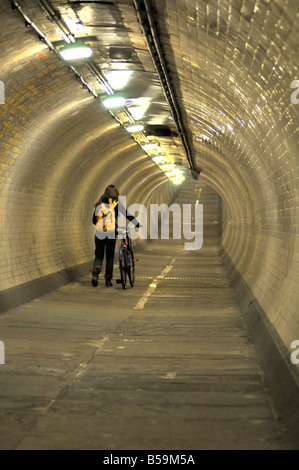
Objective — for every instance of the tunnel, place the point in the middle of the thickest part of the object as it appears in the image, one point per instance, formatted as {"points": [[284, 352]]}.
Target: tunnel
{"points": [[202, 352]]}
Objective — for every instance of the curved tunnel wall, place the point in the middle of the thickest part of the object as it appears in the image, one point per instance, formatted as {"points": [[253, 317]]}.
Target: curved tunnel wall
{"points": [[59, 150], [232, 66]]}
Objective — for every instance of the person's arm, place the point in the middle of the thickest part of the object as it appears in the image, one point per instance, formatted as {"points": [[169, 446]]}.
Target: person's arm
{"points": [[94, 218], [128, 216]]}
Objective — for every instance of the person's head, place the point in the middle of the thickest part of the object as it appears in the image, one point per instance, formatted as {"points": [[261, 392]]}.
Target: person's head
{"points": [[111, 192]]}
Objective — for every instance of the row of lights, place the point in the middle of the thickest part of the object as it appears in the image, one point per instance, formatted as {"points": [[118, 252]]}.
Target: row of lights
{"points": [[77, 51]]}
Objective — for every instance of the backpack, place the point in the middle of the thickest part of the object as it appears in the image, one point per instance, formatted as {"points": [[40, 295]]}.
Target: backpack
{"points": [[106, 216]]}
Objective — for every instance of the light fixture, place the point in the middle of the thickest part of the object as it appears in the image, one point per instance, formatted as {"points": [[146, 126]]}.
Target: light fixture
{"points": [[76, 51], [177, 176], [158, 158], [177, 180], [167, 166], [114, 102], [135, 128], [149, 146]]}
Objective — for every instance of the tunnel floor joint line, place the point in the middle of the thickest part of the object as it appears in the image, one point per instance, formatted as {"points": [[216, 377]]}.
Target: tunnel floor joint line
{"points": [[152, 287]]}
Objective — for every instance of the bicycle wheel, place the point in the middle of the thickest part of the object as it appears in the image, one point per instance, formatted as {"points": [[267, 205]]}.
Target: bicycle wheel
{"points": [[123, 268], [131, 270]]}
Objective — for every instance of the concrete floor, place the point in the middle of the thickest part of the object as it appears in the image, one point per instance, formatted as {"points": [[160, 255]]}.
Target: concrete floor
{"points": [[169, 367], [165, 365]]}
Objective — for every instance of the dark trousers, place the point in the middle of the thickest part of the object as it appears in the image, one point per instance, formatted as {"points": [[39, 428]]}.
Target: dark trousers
{"points": [[102, 245]]}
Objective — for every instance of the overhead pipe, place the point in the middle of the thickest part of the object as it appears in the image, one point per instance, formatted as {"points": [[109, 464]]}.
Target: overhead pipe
{"points": [[148, 25], [15, 5], [56, 19]]}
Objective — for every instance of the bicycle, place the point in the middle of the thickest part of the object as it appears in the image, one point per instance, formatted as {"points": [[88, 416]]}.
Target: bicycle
{"points": [[126, 260]]}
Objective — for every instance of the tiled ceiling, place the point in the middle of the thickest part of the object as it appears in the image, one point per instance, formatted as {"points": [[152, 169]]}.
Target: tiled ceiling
{"points": [[114, 33], [230, 64]]}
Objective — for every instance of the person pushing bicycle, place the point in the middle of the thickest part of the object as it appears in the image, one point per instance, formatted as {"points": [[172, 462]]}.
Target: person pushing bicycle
{"points": [[105, 218]]}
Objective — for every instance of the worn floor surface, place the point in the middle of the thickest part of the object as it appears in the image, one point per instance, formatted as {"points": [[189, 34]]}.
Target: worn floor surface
{"points": [[164, 365]]}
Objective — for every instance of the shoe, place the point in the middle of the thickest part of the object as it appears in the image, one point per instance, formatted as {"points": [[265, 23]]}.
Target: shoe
{"points": [[108, 283], [95, 276]]}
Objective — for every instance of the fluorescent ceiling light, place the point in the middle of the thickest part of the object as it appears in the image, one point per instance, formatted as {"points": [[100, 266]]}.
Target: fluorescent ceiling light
{"points": [[174, 176], [114, 102], [167, 166], [118, 78], [76, 52], [159, 158], [149, 146], [177, 177], [177, 180], [135, 128]]}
